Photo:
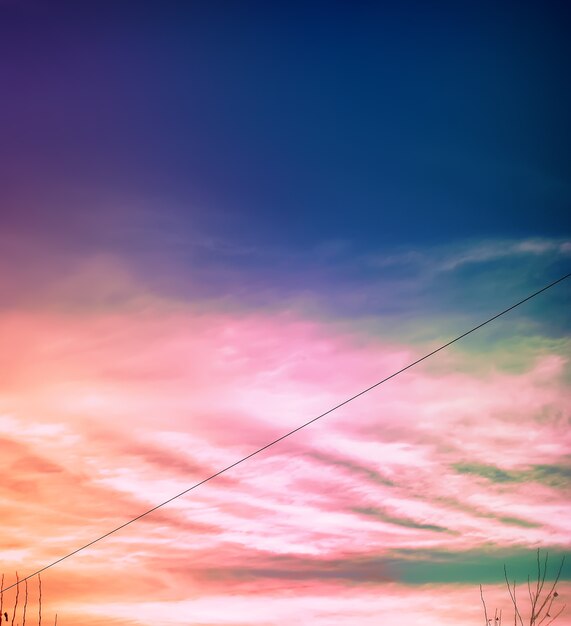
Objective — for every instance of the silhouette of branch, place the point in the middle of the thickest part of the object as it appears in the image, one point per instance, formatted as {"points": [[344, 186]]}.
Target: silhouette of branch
{"points": [[25, 603], [484, 603], [552, 590], [40, 600], [556, 615], [17, 598], [513, 597]]}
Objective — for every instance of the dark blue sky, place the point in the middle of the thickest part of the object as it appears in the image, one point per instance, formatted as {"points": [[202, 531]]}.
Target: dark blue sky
{"points": [[287, 124]]}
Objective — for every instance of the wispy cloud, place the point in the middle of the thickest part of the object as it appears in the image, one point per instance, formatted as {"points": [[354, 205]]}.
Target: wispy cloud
{"points": [[451, 257], [500, 250], [107, 411]]}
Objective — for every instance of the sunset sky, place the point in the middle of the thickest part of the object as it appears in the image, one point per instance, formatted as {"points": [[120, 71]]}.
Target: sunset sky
{"points": [[220, 219]]}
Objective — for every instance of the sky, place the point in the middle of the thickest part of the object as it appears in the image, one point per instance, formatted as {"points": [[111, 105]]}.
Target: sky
{"points": [[217, 221]]}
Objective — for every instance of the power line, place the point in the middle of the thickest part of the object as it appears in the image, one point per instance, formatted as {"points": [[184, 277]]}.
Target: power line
{"points": [[291, 432]]}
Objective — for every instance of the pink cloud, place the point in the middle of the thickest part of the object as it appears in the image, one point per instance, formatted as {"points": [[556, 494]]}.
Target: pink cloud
{"points": [[104, 414]]}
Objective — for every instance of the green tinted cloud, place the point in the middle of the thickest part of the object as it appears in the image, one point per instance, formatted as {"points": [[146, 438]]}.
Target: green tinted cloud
{"points": [[399, 521], [474, 567], [557, 476]]}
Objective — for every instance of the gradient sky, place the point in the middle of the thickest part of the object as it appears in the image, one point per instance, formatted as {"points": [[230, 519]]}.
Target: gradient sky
{"points": [[218, 220]]}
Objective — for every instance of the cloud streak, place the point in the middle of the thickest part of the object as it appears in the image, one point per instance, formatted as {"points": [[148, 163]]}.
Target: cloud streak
{"points": [[105, 413]]}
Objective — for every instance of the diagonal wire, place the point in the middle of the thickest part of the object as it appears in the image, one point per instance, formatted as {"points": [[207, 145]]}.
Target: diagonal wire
{"points": [[291, 432]]}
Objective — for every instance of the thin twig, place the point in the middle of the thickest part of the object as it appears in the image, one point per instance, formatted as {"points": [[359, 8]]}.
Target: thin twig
{"points": [[538, 575], [484, 603], [544, 572], [535, 614], [25, 603], [512, 596], [17, 598], [40, 601], [530, 595], [553, 586], [557, 615], [547, 611]]}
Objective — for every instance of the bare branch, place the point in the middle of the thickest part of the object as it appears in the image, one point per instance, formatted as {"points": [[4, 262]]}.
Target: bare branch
{"points": [[556, 615], [17, 598], [513, 598], [538, 575], [552, 587], [484, 603], [25, 602], [40, 601], [544, 572], [529, 591], [542, 603], [547, 612]]}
